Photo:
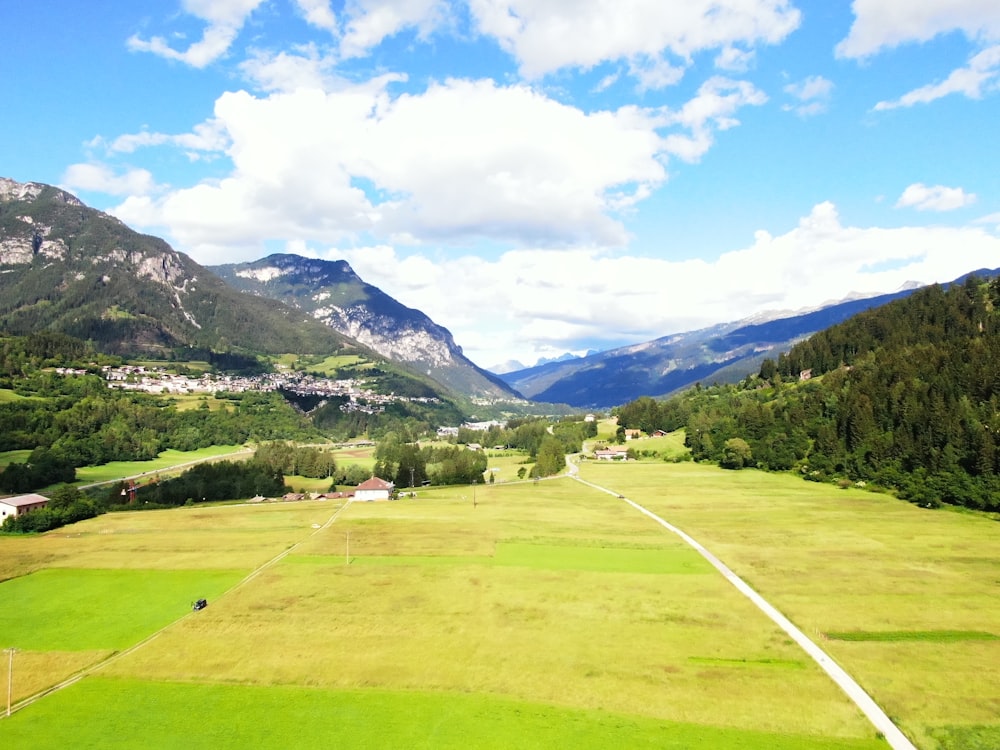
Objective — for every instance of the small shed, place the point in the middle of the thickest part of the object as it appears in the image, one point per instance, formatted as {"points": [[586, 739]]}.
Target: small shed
{"points": [[374, 489], [18, 506]]}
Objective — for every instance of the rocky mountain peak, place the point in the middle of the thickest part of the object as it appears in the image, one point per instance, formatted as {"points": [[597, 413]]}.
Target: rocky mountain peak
{"points": [[11, 190]]}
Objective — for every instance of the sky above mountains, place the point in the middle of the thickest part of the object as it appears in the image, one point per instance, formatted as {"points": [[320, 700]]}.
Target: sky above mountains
{"points": [[538, 176]]}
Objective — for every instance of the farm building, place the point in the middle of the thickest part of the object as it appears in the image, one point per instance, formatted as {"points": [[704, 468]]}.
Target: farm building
{"points": [[374, 489], [612, 453], [18, 506]]}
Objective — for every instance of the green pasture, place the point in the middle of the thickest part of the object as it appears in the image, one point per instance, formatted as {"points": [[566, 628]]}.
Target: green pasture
{"points": [[549, 594], [904, 598], [164, 462], [63, 609], [668, 447], [190, 401], [101, 713], [10, 457], [299, 483], [505, 464], [363, 456], [227, 537], [8, 395], [533, 614]]}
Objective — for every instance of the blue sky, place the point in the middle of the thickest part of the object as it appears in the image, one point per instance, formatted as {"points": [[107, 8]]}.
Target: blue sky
{"points": [[539, 176]]}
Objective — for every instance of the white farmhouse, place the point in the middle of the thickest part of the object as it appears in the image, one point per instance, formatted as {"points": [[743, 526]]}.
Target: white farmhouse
{"points": [[373, 489], [18, 506]]}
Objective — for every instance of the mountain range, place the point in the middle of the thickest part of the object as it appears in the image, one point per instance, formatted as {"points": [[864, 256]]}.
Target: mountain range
{"points": [[332, 293], [723, 353], [70, 268]]}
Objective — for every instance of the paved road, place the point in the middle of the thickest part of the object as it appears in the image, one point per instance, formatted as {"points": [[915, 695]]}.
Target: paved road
{"points": [[896, 739]]}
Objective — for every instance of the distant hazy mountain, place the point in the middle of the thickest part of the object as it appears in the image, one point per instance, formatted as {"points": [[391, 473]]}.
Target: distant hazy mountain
{"points": [[331, 292], [513, 365], [722, 353], [74, 269]]}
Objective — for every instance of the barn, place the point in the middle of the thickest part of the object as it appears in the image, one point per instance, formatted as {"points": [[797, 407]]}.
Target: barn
{"points": [[18, 506]]}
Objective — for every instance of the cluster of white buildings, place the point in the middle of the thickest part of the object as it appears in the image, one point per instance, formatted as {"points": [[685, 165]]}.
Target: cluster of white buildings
{"points": [[158, 380]]}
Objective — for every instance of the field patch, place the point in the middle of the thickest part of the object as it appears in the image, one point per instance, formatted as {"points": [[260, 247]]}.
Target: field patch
{"points": [[601, 559], [100, 712], [69, 609], [165, 461], [930, 636]]}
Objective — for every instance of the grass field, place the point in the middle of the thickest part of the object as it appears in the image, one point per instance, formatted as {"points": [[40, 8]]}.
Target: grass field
{"points": [[9, 457], [8, 395], [904, 598], [164, 462], [545, 615]]}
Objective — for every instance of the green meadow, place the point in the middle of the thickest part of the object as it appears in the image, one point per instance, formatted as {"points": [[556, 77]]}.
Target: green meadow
{"points": [[164, 462], [905, 598], [544, 614]]}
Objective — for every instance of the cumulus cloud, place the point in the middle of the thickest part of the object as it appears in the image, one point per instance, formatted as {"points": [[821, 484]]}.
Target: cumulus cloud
{"points": [[461, 159], [981, 75], [371, 21], [548, 35], [302, 68], [205, 137], [934, 198], [530, 302], [812, 96], [712, 109], [223, 18], [318, 13], [882, 24], [101, 178], [734, 60]]}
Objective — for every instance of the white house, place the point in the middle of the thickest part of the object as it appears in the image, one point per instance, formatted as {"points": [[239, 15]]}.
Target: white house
{"points": [[611, 453], [373, 489], [18, 506]]}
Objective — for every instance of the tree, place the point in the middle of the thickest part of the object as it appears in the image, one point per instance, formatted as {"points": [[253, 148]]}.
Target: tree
{"points": [[736, 454], [551, 458]]}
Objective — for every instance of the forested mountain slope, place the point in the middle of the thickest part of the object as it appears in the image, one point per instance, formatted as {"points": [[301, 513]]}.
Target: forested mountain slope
{"points": [[906, 396], [70, 268]]}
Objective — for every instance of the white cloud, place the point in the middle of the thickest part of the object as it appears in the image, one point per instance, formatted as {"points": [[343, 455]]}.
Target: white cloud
{"points": [[548, 35], [934, 198], [319, 14], [371, 21], [224, 19], [463, 159], [102, 179], [734, 60], [208, 136], [713, 108], [981, 75], [812, 95], [534, 302], [303, 68], [882, 24]]}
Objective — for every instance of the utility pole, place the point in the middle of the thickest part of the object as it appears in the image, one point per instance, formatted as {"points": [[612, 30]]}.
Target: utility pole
{"points": [[10, 676], [347, 555]]}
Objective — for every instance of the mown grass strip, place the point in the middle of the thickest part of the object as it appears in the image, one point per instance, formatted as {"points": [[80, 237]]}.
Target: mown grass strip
{"points": [[62, 609], [543, 557], [896, 636], [102, 712], [781, 663]]}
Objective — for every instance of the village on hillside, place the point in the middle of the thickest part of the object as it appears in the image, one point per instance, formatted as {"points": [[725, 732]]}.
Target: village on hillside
{"points": [[157, 380]]}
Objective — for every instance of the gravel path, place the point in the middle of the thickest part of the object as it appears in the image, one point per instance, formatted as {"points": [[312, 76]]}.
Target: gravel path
{"points": [[896, 739]]}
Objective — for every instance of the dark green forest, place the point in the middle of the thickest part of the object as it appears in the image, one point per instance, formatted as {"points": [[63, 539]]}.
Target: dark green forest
{"points": [[905, 397]]}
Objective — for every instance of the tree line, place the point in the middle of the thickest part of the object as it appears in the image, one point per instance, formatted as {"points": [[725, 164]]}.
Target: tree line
{"points": [[904, 397]]}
